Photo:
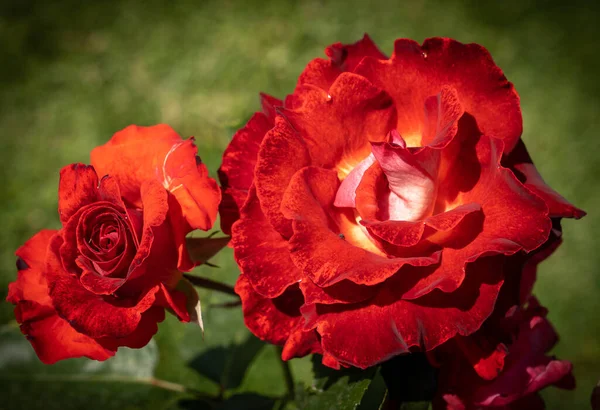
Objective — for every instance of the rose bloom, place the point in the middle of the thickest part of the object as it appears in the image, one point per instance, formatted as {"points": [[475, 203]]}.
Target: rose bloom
{"points": [[376, 207], [105, 278], [504, 363]]}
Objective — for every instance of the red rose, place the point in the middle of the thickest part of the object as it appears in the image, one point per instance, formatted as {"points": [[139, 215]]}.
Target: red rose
{"points": [[504, 364], [105, 278], [371, 200]]}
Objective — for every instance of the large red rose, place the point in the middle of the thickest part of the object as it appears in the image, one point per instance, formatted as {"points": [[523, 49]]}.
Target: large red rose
{"points": [[105, 278], [375, 203]]}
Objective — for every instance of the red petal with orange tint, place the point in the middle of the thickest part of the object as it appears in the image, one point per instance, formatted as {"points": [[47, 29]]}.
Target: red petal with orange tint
{"points": [[133, 155], [389, 325], [111, 317], [341, 292], [521, 164], [138, 154], [342, 57], [186, 178], [347, 56], [513, 218], [174, 300], [261, 252], [31, 262], [301, 343], [236, 173], [282, 153], [337, 125], [416, 72], [346, 193], [77, 187], [157, 255], [52, 337], [278, 320], [239, 159], [142, 335], [322, 254]]}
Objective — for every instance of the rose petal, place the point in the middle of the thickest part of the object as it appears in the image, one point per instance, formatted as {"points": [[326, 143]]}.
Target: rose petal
{"points": [[142, 335], [337, 126], [399, 233], [86, 312], [278, 320], [175, 300], [521, 164], [157, 255], [347, 56], [261, 253], [186, 178], [300, 344], [416, 72], [412, 174], [342, 57], [346, 194], [77, 188], [408, 234], [526, 368], [390, 325], [31, 260], [236, 173], [52, 337], [229, 208], [78, 264], [138, 154], [322, 254], [442, 113], [282, 153], [372, 196], [487, 360], [411, 178], [514, 218], [341, 292]]}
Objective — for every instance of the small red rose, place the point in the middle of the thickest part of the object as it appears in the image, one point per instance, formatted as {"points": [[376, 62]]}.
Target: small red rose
{"points": [[105, 278], [375, 205]]}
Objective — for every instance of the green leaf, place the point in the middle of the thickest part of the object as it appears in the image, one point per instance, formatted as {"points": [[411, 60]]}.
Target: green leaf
{"points": [[375, 394], [227, 366], [125, 381], [202, 249], [342, 389]]}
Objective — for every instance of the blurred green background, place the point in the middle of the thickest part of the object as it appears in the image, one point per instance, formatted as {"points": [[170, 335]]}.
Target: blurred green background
{"points": [[72, 73]]}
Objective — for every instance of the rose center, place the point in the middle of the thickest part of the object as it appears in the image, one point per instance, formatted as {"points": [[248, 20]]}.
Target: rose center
{"points": [[103, 237], [403, 181], [109, 236]]}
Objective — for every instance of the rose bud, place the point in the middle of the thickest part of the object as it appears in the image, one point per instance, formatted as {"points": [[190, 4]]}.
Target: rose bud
{"points": [[370, 208], [106, 277]]}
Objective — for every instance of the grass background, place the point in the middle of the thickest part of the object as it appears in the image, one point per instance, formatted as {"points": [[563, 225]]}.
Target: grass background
{"points": [[72, 73]]}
